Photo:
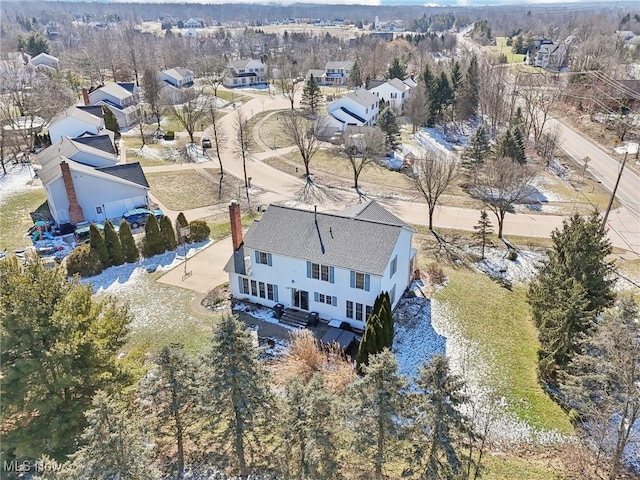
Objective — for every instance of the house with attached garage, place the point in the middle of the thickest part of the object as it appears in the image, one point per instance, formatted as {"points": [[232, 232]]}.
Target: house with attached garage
{"points": [[359, 109], [174, 81], [79, 151], [333, 264], [394, 92], [76, 121], [245, 73], [122, 98]]}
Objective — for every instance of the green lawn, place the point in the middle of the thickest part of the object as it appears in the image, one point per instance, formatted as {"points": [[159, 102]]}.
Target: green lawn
{"points": [[501, 48], [221, 228], [15, 218], [182, 190], [500, 322]]}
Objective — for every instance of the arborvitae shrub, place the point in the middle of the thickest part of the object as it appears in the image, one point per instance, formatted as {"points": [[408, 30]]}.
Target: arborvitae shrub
{"points": [[168, 233], [153, 243], [129, 248], [83, 261], [199, 230], [99, 246], [114, 247]]}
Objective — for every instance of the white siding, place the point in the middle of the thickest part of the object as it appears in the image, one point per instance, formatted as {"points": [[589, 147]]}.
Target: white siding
{"points": [[70, 127], [291, 273], [113, 198], [93, 160], [401, 278]]}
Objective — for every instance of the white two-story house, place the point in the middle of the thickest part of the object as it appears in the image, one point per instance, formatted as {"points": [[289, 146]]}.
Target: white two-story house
{"points": [[74, 122], [245, 73], [174, 81], [394, 92], [360, 109], [122, 98], [334, 264], [337, 73]]}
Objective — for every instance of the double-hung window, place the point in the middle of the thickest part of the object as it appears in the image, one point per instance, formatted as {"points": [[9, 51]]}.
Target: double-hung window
{"points": [[263, 258], [360, 280], [318, 271]]}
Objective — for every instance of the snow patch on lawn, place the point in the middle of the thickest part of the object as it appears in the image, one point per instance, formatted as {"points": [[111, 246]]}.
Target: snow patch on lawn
{"points": [[16, 181], [146, 152], [496, 264], [261, 313], [394, 162]]}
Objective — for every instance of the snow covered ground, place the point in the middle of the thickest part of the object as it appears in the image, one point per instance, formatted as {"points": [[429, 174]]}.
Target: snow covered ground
{"points": [[496, 264], [16, 181]]}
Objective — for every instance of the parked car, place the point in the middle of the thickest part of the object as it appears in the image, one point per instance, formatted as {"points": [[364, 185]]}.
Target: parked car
{"points": [[138, 216], [82, 234], [206, 143]]}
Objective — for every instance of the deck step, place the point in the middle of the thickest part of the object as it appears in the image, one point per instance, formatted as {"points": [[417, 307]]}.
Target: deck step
{"points": [[295, 318]]}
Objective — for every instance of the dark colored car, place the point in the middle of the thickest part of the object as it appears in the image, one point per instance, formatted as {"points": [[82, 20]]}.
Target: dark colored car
{"points": [[138, 216], [82, 233], [206, 143]]}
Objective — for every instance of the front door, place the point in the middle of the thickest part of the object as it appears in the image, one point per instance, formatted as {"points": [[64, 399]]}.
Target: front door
{"points": [[300, 299]]}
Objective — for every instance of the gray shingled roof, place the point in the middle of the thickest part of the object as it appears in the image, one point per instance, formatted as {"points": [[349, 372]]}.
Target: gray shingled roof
{"points": [[372, 211], [341, 241], [127, 171], [68, 147], [363, 97], [95, 110], [102, 142]]}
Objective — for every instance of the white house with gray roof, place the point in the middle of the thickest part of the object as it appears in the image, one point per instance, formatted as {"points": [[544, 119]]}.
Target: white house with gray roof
{"points": [[394, 92], [74, 122], [122, 98], [334, 264], [360, 108], [245, 73]]}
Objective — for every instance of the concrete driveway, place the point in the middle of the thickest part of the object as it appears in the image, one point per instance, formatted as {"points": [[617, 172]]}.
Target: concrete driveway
{"points": [[205, 267]]}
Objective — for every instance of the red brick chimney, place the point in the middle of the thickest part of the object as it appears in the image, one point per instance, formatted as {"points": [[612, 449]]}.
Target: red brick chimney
{"points": [[85, 96], [236, 224], [75, 210]]}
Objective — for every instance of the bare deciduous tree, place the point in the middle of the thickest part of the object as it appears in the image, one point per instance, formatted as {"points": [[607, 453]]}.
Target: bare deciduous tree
{"points": [[492, 103], [192, 105], [243, 146], [433, 175], [211, 70], [417, 107], [219, 139], [362, 145], [539, 94], [303, 133], [501, 184], [152, 88], [547, 144]]}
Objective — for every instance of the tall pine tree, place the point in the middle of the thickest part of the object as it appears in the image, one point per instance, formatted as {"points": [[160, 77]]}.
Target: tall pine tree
{"points": [[236, 399], [311, 96], [477, 151], [59, 347], [112, 242], [377, 410], [168, 233], [572, 288], [168, 395], [483, 229], [111, 122], [389, 125], [378, 333], [439, 428], [153, 243], [397, 70]]}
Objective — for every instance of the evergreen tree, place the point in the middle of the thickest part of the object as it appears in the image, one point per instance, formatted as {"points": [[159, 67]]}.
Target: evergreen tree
{"points": [[181, 222], [510, 145], [478, 149], [439, 428], [397, 70], [389, 125], [429, 82], [129, 248], [378, 333], [376, 414], [311, 96], [98, 245], [572, 288], [603, 384], [236, 398], [355, 75], [483, 229], [58, 348], [308, 442], [469, 96], [168, 395], [168, 233], [519, 146], [153, 242], [33, 44], [112, 242], [115, 445], [111, 122], [456, 87]]}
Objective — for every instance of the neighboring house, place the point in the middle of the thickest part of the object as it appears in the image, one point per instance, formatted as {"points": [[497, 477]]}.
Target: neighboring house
{"points": [[194, 23], [553, 56], [103, 141], [333, 264], [75, 122], [394, 92], [337, 73], [121, 98], [78, 151], [80, 193], [45, 62], [174, 81], [359, 108], [244, 73], [410, 82], [318, 75]]}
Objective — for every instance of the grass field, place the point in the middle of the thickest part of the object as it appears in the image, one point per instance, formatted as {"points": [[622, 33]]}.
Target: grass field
{"points": [[501, 48], [15, 218], [182, 190], [499, 320]]}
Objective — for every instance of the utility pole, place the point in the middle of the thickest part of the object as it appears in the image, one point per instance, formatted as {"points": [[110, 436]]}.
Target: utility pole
{"points": [[615, 188]]}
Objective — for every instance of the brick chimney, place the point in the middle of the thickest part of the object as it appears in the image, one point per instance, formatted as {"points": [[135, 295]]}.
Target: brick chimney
{"points": [[236, 224], [85, 96], [75, 210]]}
